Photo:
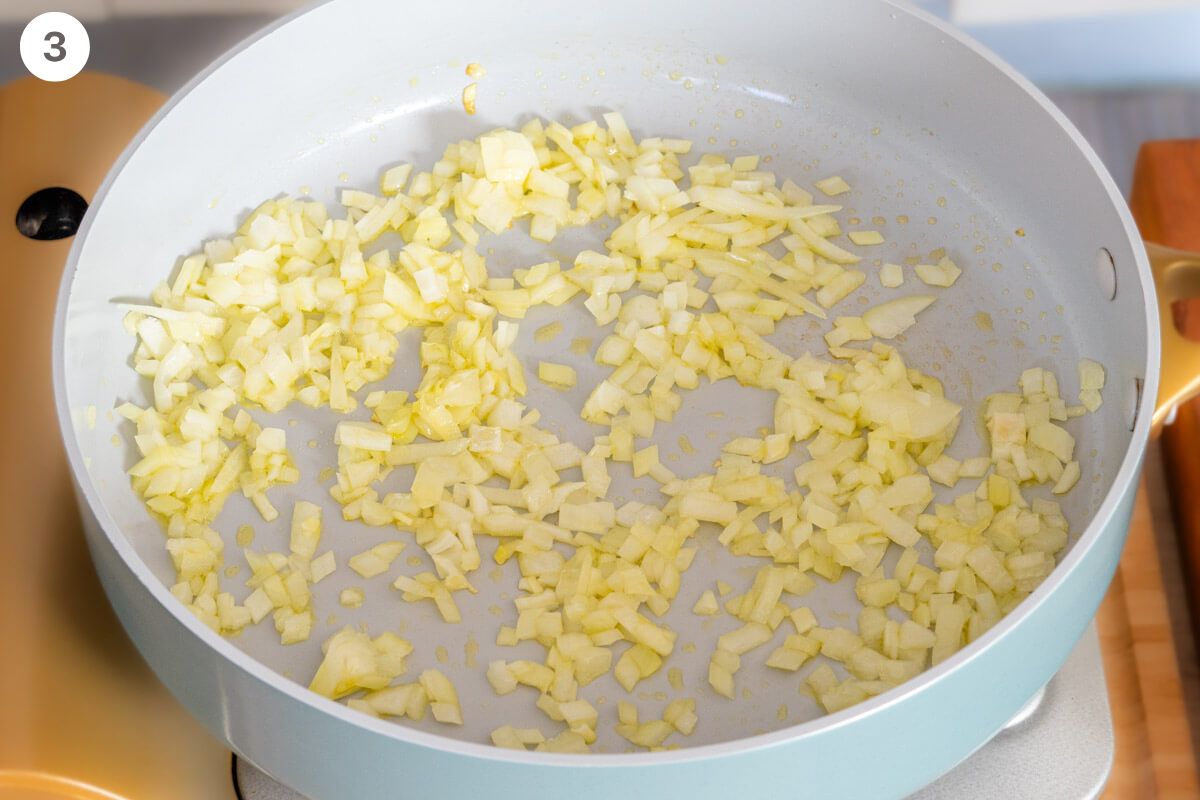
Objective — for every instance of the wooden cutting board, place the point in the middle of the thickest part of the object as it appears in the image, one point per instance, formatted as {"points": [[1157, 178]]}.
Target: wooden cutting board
{"points": [[1142, 635]]}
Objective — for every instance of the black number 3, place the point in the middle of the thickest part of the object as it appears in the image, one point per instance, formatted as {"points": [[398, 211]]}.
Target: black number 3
{"points": [[56, 52]]}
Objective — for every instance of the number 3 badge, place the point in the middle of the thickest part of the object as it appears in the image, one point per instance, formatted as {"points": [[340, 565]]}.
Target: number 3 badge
{"points": [[55, 46]]}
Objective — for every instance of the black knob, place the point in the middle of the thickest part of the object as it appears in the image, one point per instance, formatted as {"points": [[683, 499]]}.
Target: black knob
{"points": [[51, 213]]}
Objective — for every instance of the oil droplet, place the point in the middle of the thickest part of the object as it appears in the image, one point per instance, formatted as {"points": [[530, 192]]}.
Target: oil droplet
{"points": [[746, 693], [983, 321], [854, 221], [441, 654], [581, 346], [733, 143], [778, 123], [941, 201], [414, 561], [413, 81], [343, 177], [313, 444], [878, 221], [739, 113], [685, 444], [721, 59], [687, 84], [1029, 295], [692, 123], [902, 219], [675, 75], [782, 713], [997, 267], [1020, 232], [232, 570], [1058, 310], [293, 423], [689, 647], [932, 220], [320, 140], [471, 650], [325, 474], [116, 440], [875, 131], [712, 140], [373, 137], [495, 611], [600, 73], [245, 536], [547, 332]]}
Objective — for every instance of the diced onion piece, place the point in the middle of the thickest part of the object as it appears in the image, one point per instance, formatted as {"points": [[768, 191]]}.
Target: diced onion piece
{"points": [[706, 605], [866, 238], [323, 566], [889, 320], [376, 561], [943, 274], [352, 597], [891, 276], [559, 375], [833, 185]]}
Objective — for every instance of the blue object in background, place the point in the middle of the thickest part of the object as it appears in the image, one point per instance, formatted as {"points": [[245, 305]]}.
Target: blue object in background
{"points": [[1106, 51]]}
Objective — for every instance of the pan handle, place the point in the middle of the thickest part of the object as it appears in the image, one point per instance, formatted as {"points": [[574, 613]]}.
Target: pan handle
{"points": [[1176, 277]]}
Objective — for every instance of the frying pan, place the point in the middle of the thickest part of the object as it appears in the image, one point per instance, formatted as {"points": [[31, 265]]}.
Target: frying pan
{"points": [[945, 143]]}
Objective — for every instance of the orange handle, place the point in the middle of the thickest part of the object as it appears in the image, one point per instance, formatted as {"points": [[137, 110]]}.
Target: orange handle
{"points": [[1176, 277]]}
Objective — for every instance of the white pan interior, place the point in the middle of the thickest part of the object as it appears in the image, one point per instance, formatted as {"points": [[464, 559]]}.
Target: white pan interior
{"points": [[920, 125]]}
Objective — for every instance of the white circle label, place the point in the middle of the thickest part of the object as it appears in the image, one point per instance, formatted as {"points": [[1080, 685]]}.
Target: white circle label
{"points": [[55, 46]]}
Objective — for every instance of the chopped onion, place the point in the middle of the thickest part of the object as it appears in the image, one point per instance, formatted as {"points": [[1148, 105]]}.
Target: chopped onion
{"points": [[293, 307]]}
